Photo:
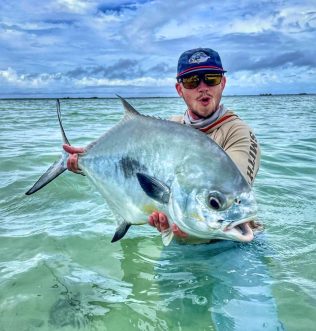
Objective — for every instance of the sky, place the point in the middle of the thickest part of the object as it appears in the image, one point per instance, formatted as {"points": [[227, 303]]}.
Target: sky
{"points": [[95, 48]]}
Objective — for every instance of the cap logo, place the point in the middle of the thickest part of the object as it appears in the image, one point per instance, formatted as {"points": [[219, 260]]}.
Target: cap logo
{"points": [[199, 57]]}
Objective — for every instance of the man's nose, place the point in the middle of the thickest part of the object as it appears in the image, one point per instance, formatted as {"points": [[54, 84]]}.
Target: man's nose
{"points": [[202, 86]]}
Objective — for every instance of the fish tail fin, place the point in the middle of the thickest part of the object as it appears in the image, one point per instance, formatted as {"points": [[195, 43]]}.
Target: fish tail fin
{"points": [[51, 173], [65, 139], [57, 167]]}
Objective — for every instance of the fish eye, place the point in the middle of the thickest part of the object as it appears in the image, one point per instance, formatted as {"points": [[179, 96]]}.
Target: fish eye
{"points": [[216, 200], [214, 203]]}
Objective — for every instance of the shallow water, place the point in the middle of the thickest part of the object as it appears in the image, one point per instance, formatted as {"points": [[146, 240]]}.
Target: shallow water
{"points": [[59, 271]]}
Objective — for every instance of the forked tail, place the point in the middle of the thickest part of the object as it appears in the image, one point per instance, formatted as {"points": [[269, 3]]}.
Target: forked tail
{"points": [[57, 167]]}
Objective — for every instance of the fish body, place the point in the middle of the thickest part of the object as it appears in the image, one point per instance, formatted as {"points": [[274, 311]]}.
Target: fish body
{"points": [[144, 164]]}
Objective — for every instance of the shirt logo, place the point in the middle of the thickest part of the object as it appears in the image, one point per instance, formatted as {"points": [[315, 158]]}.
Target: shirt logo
{"points": [[199, 57], [252, 157]]}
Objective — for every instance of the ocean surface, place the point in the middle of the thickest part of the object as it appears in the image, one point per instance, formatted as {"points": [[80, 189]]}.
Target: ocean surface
{"points": [[59, 270]]}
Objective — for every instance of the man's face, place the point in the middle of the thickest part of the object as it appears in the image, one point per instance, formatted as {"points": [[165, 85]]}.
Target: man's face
{"points": [[203, 100]]}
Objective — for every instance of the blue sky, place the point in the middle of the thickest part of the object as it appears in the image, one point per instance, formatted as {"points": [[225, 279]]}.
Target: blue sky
{"points": [[100, 48]]}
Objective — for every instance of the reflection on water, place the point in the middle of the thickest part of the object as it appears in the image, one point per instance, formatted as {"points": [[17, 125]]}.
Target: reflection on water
{"points": [[212, 287]]}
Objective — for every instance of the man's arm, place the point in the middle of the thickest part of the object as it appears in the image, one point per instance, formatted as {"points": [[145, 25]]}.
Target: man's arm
{"points": [[241, 145]]}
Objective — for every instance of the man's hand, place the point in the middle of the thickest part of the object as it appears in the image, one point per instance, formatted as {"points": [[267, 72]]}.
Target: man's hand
{"points": [[72, 162], [160, 221]]}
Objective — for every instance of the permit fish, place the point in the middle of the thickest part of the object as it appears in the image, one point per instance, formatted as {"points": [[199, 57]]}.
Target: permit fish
{"points": [[145, 163]]}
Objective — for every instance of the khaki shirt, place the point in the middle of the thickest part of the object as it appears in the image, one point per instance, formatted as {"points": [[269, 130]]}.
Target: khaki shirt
{"points": [[238, 141]]}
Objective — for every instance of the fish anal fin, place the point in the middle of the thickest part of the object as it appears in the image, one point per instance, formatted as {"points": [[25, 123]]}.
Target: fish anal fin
{"points": [[154, 188], [121, 231]]}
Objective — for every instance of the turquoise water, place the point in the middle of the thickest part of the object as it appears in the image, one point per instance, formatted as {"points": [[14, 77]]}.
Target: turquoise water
{"points": [[59, 271]]}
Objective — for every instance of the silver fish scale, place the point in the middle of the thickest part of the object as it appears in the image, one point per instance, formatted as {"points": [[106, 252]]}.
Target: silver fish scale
{"points": [[157, 148]]}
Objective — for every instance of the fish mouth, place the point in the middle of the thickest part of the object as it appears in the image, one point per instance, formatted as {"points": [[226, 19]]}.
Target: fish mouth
{"points": [[240, 231]]}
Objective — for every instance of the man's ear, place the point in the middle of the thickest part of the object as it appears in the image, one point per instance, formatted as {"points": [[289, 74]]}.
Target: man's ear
{"points": [[223, 82], [179, 89]]}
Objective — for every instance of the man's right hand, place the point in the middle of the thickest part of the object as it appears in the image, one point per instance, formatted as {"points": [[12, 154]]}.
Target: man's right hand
{"points": [[160, 221], [72, 161]]}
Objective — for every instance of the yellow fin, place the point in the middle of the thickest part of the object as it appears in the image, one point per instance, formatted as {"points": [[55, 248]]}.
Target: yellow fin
{"points": [[149, 208]]}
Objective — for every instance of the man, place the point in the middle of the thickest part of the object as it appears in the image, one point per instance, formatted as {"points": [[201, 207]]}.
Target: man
{"points": [[200, 82]]}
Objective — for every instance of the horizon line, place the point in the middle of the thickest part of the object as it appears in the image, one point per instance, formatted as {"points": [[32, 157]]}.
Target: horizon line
{"points": [[150, 97]]}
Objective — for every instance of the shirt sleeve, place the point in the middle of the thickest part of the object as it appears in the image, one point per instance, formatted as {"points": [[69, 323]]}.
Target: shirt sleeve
{"points": [[241, 144]]}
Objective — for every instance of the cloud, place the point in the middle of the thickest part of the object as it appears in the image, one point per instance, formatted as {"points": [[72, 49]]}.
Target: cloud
{"points": [[289, 59], [284, 80], [26, 81], [83, 77], [106, 42], [141, 81], [117, 7]]}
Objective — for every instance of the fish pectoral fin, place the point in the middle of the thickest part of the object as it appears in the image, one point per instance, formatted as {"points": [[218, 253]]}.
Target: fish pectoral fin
{"points": [[154, 188], [121, 231], [167, 236]]}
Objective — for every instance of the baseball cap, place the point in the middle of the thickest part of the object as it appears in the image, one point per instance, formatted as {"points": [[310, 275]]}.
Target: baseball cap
{"points": [[199, 59]]}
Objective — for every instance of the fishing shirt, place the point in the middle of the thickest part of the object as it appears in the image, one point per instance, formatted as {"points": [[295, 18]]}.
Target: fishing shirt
{"points": [[235, 137]]}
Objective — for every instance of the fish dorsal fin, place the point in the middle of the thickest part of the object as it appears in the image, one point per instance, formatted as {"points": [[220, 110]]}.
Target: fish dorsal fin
{"points": [[130, 111]]}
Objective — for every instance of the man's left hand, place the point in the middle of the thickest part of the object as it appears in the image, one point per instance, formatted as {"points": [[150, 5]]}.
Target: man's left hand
{"points": [[72, 162]]}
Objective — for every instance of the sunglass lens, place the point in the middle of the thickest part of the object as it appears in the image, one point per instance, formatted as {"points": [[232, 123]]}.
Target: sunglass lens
{"points": [[212, 80], [191, 82]]}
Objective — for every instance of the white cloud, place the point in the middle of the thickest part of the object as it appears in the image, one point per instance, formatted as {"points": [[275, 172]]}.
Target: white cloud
{"points": [[174, 29], [9, 75], [253, 24], [43, 80], [76, 6], [248, 78], [142, 81], [298, 18], [41, 42], [26, 81], [284, 80]]}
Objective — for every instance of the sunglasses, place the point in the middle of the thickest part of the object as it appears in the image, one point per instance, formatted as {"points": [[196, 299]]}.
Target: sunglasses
{"points": [[194, 80]]}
